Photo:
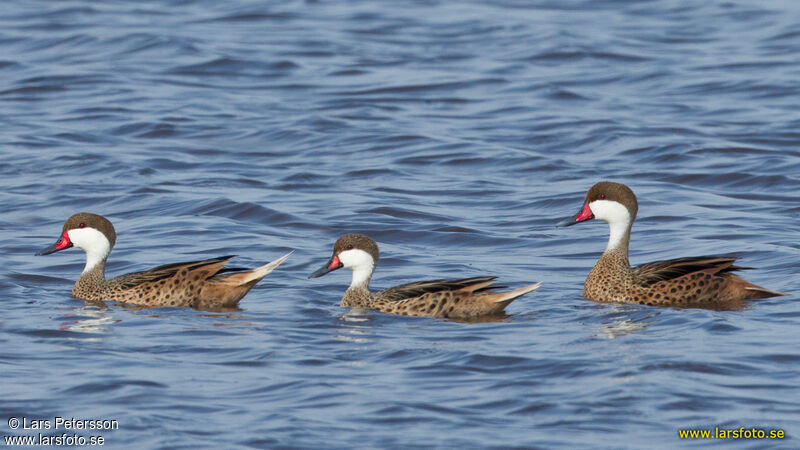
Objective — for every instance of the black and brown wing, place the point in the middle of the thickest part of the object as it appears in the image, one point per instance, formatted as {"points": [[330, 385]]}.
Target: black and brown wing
{"points": [[655, 272], [202, 270], [417, 289], [463, 299]]}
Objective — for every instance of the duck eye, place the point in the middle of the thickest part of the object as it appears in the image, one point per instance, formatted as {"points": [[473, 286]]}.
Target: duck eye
{"points": [[82, 225], [602, 196], [350, 247]]}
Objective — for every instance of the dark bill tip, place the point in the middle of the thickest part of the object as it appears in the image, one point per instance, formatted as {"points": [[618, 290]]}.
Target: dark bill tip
{"points": [[52, 248], [569, 221], [320, 272], [47, 250]]}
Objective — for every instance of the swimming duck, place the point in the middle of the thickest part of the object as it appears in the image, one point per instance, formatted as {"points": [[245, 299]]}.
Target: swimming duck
{"points": [[703, 281], [204, 284], [467, 298]]}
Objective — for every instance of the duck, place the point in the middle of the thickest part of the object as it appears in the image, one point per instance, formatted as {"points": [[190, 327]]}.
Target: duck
{"points": [[204, 284], [468, 298], [699, 281]]}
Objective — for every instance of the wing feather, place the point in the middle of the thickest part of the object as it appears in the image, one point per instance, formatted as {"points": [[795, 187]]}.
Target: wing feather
{"points": [[134, 279], [410, 290], [657, 271]]}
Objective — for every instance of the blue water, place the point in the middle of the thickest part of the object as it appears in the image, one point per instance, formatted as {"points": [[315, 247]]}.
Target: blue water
{"points": [[456, 134]]}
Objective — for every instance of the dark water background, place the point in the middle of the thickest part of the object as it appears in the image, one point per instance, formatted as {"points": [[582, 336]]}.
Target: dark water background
{"points": [[454, 133]]}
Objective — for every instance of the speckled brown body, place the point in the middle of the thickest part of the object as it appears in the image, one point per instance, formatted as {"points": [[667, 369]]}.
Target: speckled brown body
{"points": [[711, 285], [192, 284], [705, 281], [462, 303]]}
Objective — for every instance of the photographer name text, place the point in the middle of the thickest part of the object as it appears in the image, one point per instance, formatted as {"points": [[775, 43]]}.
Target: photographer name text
{"points": [[62, 423]]}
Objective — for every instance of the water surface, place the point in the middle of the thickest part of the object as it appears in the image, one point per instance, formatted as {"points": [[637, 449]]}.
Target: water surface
{"points": [[456, 135]]}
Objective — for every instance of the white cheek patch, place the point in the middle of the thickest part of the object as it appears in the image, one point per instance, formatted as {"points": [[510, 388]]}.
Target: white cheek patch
{"points": [[360, 262], [356, 258], [91, 241], [617, 216], [610, 211]]}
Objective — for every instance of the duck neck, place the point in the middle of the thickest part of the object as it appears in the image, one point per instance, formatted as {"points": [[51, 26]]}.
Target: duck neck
{"points": [[618, 239], [361, 277], [90, 281], [358, 293]]}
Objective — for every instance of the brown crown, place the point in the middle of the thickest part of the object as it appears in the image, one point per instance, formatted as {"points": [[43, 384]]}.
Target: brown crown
{"points": [[617, 192], [357, 241], [94, 221]]}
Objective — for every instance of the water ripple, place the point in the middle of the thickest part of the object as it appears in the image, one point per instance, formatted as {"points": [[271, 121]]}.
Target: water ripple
{"points": [[457, 135]]}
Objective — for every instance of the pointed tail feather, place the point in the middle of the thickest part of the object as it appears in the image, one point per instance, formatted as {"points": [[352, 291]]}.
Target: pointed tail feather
{"points": [[757, 292], [242, 278], [509, 296], [746, 290]]}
